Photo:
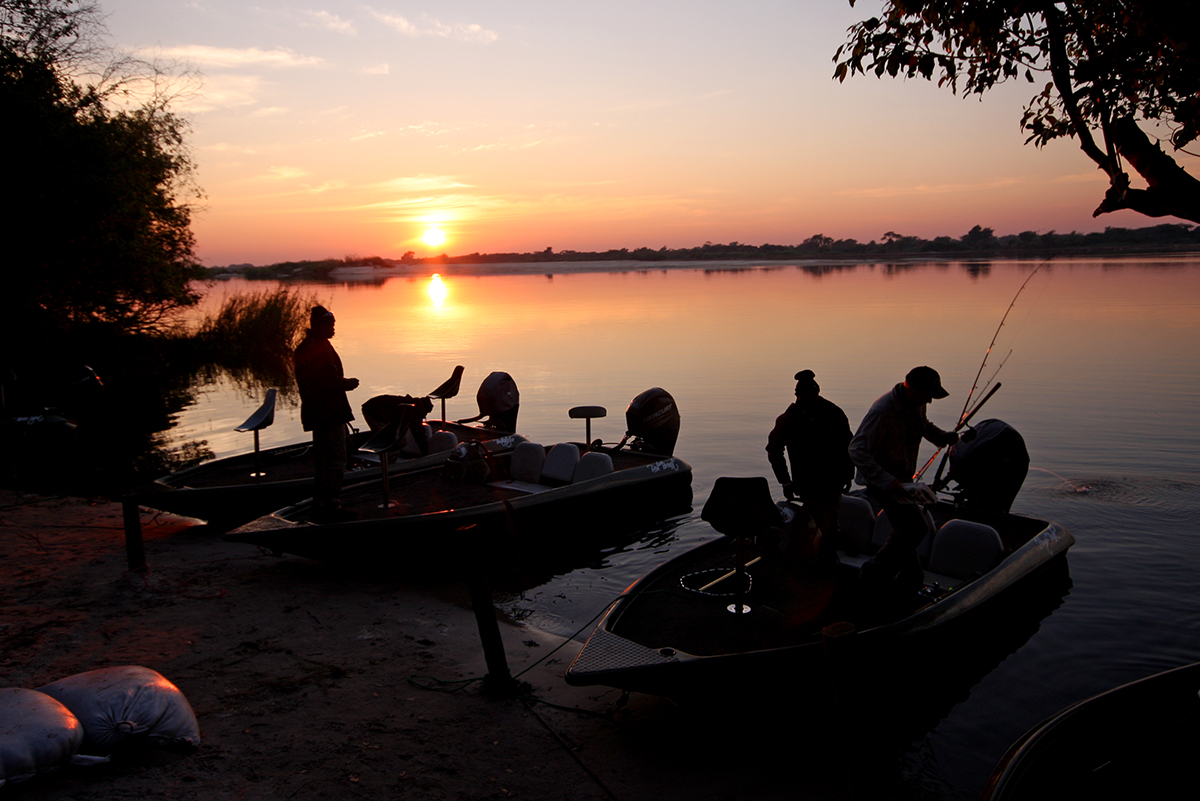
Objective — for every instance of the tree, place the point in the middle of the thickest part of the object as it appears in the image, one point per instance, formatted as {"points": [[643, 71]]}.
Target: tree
{"points": [[96, 231], [1119, 72]]}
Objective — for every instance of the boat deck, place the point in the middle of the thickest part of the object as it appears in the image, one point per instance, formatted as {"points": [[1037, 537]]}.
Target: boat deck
{"points": [[788, 604]]}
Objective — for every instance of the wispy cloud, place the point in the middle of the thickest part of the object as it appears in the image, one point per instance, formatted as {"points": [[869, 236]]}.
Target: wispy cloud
{"points": [[378, 69], [284, 174], [223, 91], [324, 19], [906, 190], [422, 183], [219, 57], [428, 26]]}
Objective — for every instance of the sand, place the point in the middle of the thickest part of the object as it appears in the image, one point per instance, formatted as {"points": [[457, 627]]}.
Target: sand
{"points": [[301, 675]]}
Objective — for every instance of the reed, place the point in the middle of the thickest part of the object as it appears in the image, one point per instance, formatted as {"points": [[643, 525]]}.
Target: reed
{"points": [[253, 334]]}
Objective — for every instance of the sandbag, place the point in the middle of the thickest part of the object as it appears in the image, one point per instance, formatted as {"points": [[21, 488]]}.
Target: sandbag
{"points": [[37, 734], [120, 706]]}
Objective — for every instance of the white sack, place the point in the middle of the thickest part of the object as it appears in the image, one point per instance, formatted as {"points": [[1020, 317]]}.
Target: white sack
{"points": [[37, 734], [117, 703]]}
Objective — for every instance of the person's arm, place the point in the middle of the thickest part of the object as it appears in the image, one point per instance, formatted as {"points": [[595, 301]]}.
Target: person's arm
{"points": [[776, 448]]}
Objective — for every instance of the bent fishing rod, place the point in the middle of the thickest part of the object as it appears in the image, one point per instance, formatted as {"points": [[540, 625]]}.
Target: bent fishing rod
{"points": [[965, 416]]}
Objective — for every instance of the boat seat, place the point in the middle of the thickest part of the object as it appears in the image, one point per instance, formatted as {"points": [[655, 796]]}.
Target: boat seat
{"points": [[409, 445], [592, 464], [527, 459], [559, 467], [962, 548], [856, 525], [883, 530], [442, 441]]}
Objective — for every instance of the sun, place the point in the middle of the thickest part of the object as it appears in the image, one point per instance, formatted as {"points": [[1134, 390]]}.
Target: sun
{"points": [[434, 237]]}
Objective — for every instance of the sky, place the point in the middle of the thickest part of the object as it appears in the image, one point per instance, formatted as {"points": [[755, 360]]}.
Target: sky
{"points": [[327, 129]]}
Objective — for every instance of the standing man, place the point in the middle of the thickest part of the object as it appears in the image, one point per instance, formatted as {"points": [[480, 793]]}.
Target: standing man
{"points": [[884, 450], [324, 408], [815, 434]]}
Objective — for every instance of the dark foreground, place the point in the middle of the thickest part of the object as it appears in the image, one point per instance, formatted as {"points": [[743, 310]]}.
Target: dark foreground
{"points": [[299, 674]]}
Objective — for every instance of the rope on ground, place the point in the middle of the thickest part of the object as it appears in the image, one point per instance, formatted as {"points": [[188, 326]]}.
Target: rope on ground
{"points": [[571, 751]]}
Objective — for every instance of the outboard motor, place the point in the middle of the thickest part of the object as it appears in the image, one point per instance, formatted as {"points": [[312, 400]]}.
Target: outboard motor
{"points": [[499, 400], [653, 420], [990, 463]]}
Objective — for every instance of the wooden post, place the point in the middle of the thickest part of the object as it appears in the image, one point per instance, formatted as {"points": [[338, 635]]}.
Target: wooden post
{"points": [[499, 679], [135, 550]]}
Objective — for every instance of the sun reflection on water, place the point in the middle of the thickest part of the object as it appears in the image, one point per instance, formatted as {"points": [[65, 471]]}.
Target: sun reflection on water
{"points": [[437, 291]]}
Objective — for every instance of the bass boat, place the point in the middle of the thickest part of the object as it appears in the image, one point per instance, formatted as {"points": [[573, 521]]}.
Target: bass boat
{"points": [[507, 492], [235, 490], [754, 609], [1134, 741]]}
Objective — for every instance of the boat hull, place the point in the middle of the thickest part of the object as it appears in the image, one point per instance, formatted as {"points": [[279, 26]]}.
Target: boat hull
{"points": [[228, 493], [664, 637], [436, 514], [1134, 741]]}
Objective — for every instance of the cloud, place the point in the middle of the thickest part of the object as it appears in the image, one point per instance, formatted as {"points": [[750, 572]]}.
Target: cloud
{"points": [[378, 69], [462, 32], [284, 173], [422, 183], [270, 111], [926, 189], [222, 91], [324, 19], [218, 57]]}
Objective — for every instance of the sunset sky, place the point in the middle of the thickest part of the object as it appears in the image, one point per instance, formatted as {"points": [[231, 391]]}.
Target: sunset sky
{"points": [[345, 128]]}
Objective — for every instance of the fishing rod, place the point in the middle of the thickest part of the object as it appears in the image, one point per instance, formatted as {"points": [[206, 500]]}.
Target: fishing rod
{"points": [[965, 419], [964, 416], [992, 344]]}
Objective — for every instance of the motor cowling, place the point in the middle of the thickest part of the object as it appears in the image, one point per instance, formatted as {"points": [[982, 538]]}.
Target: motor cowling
{"points": [[652, 419], [990, 463], [499, 400]]}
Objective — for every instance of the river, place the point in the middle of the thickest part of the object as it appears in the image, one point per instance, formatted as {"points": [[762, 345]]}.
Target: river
{"points": [[1100, 370]]}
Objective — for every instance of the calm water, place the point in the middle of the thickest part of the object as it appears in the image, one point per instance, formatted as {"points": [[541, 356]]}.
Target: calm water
{"points": [[1100, 371]]}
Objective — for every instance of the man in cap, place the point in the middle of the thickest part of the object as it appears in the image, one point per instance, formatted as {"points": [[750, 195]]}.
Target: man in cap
{"points": [[324, 408], [884, 450], [815, 434]]}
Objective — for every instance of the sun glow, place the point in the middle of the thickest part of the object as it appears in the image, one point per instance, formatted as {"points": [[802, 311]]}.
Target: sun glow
{"points": [[434, 237], [437, 291]]}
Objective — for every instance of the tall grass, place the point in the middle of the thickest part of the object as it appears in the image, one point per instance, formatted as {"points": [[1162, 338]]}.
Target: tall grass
{"points": [[253, 334]]}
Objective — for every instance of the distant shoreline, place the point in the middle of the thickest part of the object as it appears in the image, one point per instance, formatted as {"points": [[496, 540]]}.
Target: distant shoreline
{"points": [[557, 265]]}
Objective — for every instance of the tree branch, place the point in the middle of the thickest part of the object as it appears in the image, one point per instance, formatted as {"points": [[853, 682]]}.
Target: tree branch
{"points": [[1170, 191]]}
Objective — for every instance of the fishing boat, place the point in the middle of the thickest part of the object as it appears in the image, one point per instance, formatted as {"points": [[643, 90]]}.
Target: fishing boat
{"points": [[1137, 740], [231, 491], [752, 609], [529, 493]]}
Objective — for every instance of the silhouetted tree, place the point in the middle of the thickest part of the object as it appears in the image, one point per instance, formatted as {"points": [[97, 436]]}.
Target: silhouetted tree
{"points": [[1113, 70]]}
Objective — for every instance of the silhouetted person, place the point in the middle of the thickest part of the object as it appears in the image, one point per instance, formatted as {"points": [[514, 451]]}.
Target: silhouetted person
{"points": [[815, 435], [884, 450], [324, 407]]}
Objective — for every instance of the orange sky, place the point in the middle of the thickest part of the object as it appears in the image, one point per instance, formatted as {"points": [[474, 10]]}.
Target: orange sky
{"points": [[332, 130]]}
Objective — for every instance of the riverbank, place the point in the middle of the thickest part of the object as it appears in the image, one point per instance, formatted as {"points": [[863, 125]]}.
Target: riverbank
{"points": [[316, 682]]}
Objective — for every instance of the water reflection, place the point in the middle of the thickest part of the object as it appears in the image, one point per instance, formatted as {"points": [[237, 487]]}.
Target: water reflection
{"points": [[1102, 383]]}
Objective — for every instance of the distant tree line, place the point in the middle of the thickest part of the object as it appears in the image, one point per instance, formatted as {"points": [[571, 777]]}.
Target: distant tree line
{"points": [[978, 242]]}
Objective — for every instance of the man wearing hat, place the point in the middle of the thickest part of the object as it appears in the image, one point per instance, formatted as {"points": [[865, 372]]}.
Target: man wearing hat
{"points": [[324, 407], [814, 433], [884, 450]]}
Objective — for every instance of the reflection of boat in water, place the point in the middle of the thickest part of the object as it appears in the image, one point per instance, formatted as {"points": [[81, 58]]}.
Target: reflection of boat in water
{"points": [[531, 493], [1134, 741], [231, 491], [739, 611]]}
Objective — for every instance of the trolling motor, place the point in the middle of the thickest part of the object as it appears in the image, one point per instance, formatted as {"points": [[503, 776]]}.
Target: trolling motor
{"points": [[989, 463]]}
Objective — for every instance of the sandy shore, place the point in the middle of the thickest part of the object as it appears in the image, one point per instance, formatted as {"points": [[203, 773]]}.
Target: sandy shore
{"points": [[299, 674]]}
